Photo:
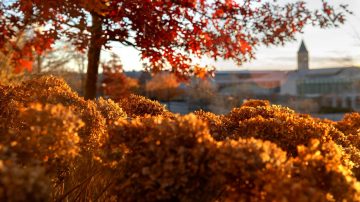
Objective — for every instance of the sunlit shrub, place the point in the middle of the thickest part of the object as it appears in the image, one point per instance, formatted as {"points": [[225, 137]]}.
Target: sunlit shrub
{"points": [[215, 122], [256, 103], [46, 138], [165, 158], [110, 110], [51, 90], [56, 146], [76, 127], [317, 174], [136, 105], [279, 125], [242, 168], [177, 159], [250, 110], [283, 127], [45, 133], [350, 126], [323, 162]]}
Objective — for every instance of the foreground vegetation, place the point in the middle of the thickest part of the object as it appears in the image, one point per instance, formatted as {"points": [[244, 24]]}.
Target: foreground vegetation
{"points": [[56, 146]]}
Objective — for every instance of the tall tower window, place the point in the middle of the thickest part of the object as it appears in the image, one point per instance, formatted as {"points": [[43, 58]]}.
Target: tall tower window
{"points": [[303, 57]]}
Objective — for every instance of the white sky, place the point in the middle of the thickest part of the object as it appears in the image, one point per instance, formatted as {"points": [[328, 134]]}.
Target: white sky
{"points": [[335, 47]]}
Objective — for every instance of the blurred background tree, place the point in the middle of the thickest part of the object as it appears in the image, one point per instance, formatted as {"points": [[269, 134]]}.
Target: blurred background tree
{"points": [[12, 63], [54, 59], [115, 83], [163, 87]]}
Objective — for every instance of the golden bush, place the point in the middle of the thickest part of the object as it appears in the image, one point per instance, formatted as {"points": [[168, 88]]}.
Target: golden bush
{"points": [[256, 103], [47, 122], [47, 133], [136, 105], [215, 123], [178, 160], [56, 146], [279, 125], [110, 110], [323, 162], [241, 168], [317, 174], [51, 90], [350, 125], [165, 158]]}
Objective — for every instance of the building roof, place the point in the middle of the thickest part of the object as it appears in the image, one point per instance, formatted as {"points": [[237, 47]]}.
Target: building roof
{"points": [[322, 74], [237, 77], [303, 48]]}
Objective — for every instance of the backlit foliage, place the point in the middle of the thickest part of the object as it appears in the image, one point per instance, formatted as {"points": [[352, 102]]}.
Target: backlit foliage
{"points": [[46, 133], [168, 34], [317, 174], [55, 146], [110, 110], [215, 123], [49, 90], [350, 126], [136, 105], [160, 29], [10, 63]]}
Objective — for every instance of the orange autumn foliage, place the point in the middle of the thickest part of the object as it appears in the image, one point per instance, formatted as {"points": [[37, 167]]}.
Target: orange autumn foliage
{"points": [[168, 34]]}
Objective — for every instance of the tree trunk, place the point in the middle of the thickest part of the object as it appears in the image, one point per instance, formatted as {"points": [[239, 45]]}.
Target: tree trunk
{"points": [[93, 57], [38, 61]]}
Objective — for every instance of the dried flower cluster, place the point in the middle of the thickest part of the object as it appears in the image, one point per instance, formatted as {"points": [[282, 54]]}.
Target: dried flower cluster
{"points": [[56, 146]]}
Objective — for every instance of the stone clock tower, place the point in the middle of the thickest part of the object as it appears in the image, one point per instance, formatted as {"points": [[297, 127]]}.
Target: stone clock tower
{"points": [[303, 58]]}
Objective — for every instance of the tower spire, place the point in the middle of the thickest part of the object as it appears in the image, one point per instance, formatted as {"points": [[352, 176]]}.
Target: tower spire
{"points": [[303, 48], [303, 57]]}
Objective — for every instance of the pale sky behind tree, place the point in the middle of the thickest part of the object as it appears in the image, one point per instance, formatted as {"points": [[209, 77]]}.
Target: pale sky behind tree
{"points": [[334, 47]]}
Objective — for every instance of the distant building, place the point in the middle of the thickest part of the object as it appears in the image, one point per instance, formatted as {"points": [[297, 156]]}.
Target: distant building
{"points": [[334, 87], [251, 82]]}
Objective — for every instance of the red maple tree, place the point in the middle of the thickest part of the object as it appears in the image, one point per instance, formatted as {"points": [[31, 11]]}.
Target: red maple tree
{"points": [[168, 33]]}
